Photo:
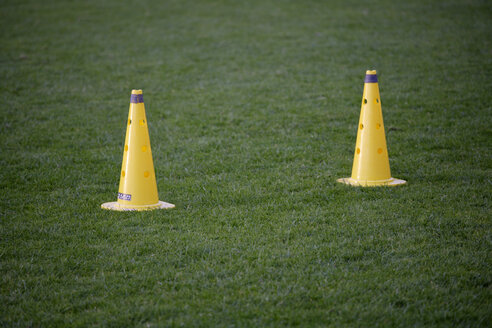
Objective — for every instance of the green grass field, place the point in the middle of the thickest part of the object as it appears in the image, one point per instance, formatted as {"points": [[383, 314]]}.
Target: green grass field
{"points": [[253, 109]]}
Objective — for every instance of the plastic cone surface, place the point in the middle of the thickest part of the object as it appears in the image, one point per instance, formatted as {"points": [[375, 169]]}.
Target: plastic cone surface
{"points": [[138, 188], [371, 163]]}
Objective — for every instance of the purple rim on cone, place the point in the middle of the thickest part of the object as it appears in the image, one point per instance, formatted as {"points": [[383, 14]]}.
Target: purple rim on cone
{"points": [[135, 99], [371, 78]]}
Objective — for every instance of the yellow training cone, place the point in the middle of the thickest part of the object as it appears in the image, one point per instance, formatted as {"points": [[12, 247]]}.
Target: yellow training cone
{"points": [[138, 189], [371, 163]]}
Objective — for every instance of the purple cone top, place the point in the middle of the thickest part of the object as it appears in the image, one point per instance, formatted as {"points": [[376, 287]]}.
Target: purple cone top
{"points": [[371, 78], [135, 99]]}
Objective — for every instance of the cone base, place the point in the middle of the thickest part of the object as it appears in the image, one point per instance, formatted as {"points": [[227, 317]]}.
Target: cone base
{"points": [[391, 182], [115, 206]]}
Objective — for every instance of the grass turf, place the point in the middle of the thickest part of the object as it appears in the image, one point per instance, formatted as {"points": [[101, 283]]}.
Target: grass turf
{"points": [[253, 110]]}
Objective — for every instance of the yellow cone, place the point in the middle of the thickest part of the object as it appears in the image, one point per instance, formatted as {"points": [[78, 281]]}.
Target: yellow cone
{"points": [[138, 188], [371, 164]]}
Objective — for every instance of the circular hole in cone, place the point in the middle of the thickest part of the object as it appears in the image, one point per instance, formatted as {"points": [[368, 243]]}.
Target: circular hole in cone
{"points": [[126, 147], [380, 150], [122, 173], [361, 126], [146, 174], [378, 125], [358, 151], [129, 122], [365, 101], [142, 122], [144, 148]]}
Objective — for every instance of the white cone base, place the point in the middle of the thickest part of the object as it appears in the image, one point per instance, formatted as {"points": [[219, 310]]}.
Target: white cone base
{"points": [[115, 206], [391, 182]]}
